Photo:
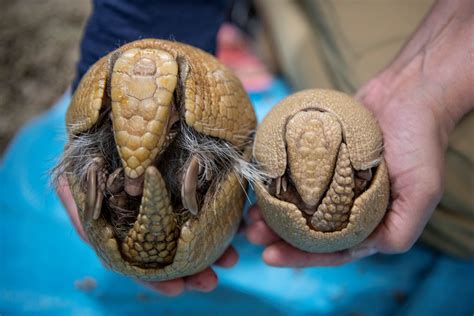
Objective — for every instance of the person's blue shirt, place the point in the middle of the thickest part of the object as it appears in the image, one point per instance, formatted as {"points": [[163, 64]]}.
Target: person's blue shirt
{"points": [[117, 22]]}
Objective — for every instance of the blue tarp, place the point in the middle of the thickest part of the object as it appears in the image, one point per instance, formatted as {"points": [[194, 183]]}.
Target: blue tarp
{"points": [[43, 262]]}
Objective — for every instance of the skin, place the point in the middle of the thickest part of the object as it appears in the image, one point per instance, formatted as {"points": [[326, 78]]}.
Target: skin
{"points": [[416, 114], [417, 100]]}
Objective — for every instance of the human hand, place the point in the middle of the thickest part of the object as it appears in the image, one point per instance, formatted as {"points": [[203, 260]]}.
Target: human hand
{"points": [[417, 100], [414, 147], [204, 281]]}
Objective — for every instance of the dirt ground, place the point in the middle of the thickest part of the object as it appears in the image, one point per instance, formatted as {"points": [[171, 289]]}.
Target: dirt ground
{"points": [[38, 51]]}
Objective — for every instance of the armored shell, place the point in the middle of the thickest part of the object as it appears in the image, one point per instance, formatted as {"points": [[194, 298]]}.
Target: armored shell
{"points": [[328, 185], [156, 204]]}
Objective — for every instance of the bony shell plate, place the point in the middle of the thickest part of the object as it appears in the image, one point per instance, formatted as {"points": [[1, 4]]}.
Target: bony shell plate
{"points": [[328, 186]]}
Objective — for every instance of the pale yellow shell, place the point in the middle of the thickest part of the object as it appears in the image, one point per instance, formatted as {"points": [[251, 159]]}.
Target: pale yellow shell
{"points": [[280, 149], [214, 103]]}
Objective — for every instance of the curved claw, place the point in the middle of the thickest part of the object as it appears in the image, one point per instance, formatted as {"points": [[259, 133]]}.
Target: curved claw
{"points": [[188, 189], [278, 185], [281, 185], [91, 195], [98, 205], [94, 196], [115, 181], [284, 184]]}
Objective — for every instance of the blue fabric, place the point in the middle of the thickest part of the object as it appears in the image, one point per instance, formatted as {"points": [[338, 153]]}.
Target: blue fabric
{"points": [[43, 259], [114, 23]]}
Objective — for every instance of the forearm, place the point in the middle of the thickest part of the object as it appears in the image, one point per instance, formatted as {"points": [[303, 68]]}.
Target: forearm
{"points": [[436, 63], [440, 16]]}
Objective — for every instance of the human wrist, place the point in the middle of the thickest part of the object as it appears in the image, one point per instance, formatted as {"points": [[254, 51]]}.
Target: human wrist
{"points": [[444, 65], [439, 76], [395, 96], [437, 65]]}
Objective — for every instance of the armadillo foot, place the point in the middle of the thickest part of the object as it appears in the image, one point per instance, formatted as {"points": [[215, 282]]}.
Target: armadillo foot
{"points": [[115, 181], [362, 179]]}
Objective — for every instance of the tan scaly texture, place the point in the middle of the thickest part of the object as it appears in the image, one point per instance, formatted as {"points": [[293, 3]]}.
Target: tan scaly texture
{"points": [[201, 242], [338, 222], [148, 242], [215, 103], [212, 101], [311, 157]]}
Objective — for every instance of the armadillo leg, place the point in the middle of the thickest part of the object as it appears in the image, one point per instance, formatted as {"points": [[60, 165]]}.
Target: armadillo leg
{"points": [[153, 238], [361, 178], [115, 181]]}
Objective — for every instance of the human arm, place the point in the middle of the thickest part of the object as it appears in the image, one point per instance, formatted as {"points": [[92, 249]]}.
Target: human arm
{"points": [[417, 100]]}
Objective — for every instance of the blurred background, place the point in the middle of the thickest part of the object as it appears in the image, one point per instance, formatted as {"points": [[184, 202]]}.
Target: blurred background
{"points": [[46, 268], [39, 43]]}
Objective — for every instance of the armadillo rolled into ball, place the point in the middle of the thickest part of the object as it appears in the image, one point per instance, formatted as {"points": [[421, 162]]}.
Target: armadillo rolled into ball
{"points": [[159, 132], [327, 185]]}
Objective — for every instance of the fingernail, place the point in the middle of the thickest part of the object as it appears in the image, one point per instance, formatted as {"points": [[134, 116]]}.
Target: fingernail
{"points": [[270, 256], [361, 252]]}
